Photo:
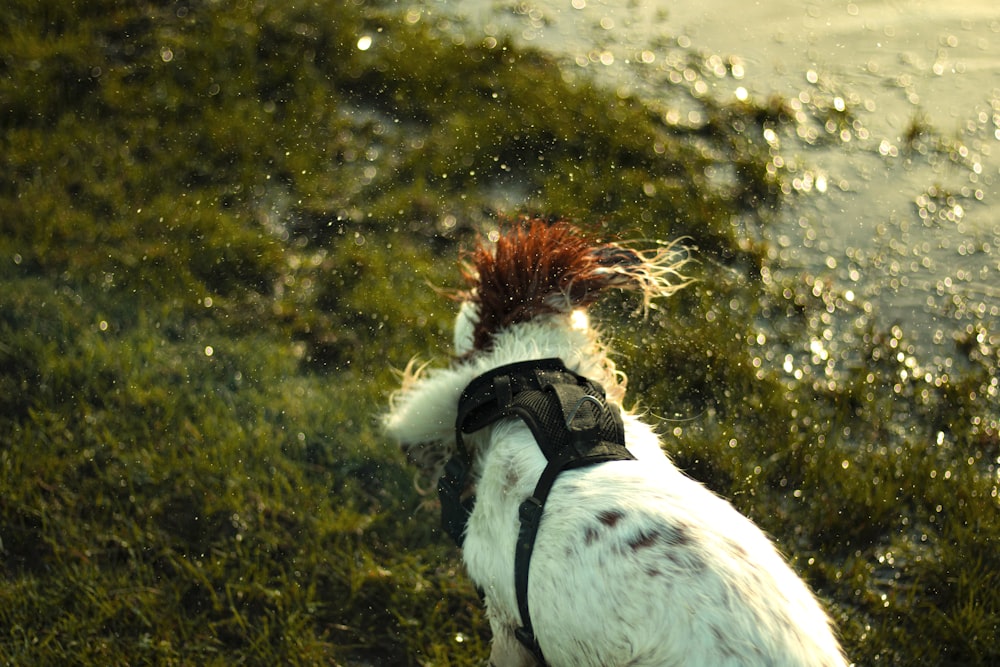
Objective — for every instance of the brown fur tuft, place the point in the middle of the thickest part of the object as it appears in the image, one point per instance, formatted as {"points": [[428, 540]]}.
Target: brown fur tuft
{"points": [[539, 267]]}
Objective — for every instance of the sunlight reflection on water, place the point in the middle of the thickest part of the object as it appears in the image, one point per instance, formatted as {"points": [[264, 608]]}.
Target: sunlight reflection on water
{"points": [[894, 164]]}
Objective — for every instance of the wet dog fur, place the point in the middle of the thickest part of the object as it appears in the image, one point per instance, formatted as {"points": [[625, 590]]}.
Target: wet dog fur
{"points": [[635, 563]]}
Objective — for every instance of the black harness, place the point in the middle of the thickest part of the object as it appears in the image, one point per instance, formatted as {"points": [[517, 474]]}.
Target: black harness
{"points": [[573, 426]]}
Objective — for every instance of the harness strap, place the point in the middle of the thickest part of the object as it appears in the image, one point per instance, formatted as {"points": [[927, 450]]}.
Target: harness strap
{"points": [[455, 510], [485, 400], [573, 426]]}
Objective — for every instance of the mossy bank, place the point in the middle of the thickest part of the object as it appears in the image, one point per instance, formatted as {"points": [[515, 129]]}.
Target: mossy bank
{"points": [[218, 227]]}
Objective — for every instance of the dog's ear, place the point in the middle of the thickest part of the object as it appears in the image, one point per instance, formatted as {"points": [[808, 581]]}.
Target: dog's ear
{"points": [[525, 273], [652, 274], [465, 327], [421, 410], [539, 267]]}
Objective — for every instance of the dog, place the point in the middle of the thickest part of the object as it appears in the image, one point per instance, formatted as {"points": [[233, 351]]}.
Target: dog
{"points": [[624, 560]]}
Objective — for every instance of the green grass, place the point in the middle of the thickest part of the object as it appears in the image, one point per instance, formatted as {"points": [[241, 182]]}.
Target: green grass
{"points": [[219, 225]]}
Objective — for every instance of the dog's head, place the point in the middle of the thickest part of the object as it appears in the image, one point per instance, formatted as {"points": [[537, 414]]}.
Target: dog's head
{"points": [[526, 298], [540, 268]]}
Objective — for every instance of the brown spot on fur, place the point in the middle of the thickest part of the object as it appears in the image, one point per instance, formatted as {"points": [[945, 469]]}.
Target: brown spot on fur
{"points": [[645, 540], [670, 537], [685, 560], [589, 536], [677, 536], [511, 478], [610, 517]]}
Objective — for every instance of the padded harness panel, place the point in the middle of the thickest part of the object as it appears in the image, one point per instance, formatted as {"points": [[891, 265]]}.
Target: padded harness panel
{"points": [[573, 426]]}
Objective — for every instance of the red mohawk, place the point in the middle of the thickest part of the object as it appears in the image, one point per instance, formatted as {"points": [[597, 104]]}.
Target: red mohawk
{"points": [[539, 267]]}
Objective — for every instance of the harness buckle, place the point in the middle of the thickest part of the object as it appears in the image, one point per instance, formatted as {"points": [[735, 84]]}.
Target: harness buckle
{"points": [[579, 404], [530, 512]]}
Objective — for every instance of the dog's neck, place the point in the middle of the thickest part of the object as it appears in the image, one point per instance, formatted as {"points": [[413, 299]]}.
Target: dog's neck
{"points": [[425, 409]]}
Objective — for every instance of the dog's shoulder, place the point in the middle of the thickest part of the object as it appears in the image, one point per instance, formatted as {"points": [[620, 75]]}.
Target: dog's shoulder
{"points": [[425, 407]]}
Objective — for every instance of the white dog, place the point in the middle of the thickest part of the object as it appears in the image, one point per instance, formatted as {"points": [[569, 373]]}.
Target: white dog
{"points": [[587, 552]]}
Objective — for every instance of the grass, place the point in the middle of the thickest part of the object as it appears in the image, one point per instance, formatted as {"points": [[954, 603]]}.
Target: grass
{"points": [[218, 226]]}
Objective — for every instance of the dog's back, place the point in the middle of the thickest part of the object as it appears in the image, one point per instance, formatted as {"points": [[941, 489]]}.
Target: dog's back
{"points": [[633, 563], [638, 564]]}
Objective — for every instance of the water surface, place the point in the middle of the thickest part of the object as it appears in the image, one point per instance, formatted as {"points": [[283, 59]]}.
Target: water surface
{"points": [[893, 170]]}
